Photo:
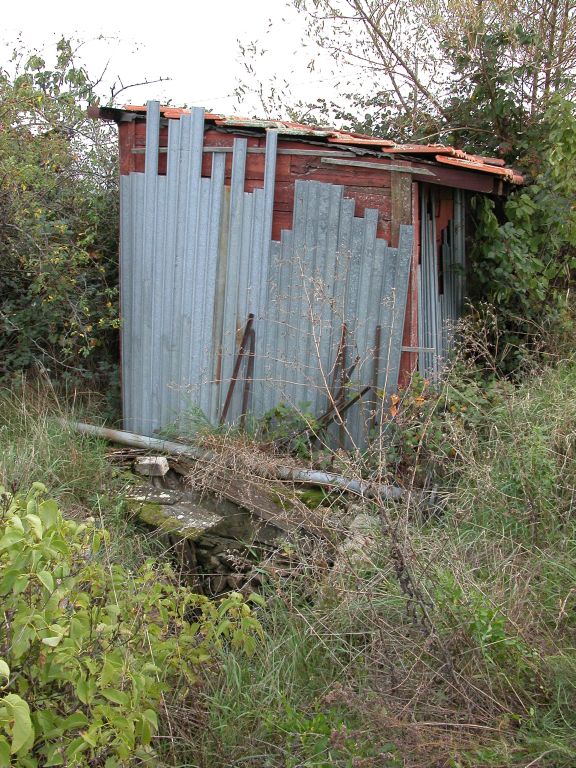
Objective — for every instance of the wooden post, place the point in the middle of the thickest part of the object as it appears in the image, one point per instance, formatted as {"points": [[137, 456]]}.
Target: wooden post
{"points": [[409, 360], [405, 211], [401, 192]]}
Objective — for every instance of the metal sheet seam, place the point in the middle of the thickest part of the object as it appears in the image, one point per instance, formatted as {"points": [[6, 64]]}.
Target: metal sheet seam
{"points": [[197, 198], [167, 350]]}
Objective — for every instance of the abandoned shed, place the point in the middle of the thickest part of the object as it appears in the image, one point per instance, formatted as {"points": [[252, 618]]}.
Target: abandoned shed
{"points": [[267, 263]]}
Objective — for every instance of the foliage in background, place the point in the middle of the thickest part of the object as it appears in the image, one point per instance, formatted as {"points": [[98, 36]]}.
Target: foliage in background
{"points": [[524, 262], [477, 75], [58, 223]]}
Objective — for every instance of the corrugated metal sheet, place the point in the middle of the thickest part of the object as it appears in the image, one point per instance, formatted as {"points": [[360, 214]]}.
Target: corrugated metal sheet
{"points": [[439, 311], [197, 260]]}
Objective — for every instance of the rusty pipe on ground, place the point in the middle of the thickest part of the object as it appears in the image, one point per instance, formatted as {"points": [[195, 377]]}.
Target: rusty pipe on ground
{"points": [[295, 475]]}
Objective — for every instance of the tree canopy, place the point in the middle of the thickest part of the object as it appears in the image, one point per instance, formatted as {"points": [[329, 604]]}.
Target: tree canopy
{"points": [[479, 74]]}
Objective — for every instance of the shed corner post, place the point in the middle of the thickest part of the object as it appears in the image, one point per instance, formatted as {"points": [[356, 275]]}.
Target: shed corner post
{"points": [[404, 193]]}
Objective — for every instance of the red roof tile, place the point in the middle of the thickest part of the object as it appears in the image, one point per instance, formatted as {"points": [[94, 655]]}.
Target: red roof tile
{"points": [[441, 153], [473, 163]]}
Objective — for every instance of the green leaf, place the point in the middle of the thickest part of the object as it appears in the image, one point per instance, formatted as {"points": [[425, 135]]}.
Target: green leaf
{"points": [[111, 672], [9, 539], [49, 513], [79, 626], [88, 738], [82, 690], [254, 597], [45, 721], [224, 627], [4, 669], [117, 697], [16, 523], [45, 577], [35, 526], [77, 720], [75, 747], [150, 716], [145, 732], [54, 756], [8, 580], [21, 642], [22, 729], [4, 753], [21, 583], [52, 641]]}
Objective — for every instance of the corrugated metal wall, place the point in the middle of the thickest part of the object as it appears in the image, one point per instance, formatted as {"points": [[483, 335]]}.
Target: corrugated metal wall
{"points": [[439, 307], [197, 260]]}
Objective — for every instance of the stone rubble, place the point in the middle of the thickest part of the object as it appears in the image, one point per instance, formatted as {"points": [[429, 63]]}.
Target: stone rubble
{"points": [[222, 547]]}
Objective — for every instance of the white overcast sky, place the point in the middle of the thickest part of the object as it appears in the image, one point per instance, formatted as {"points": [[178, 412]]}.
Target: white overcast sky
{"points": [[194, 43]]}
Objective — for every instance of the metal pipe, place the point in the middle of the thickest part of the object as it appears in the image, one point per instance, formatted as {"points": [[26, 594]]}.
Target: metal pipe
{"points": [[305, 476]]}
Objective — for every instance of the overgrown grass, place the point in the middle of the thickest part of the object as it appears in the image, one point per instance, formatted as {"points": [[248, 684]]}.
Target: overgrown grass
{"points": [[451, 640], [37, 446], [448, 638]]}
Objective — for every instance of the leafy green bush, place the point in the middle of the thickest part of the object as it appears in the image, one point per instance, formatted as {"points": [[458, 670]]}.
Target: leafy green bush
{"points": [[524, 265], [58, 222], [87, 648], [426, 422]]}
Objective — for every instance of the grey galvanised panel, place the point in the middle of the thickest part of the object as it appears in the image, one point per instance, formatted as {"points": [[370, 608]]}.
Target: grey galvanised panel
{"points": [[232, 267], [132, 324], [196, 260], [209, 283], [177, 179], [459, 257], [438, 313], [172, 227], [126, 197], [403, 258], [330, 269], [187, 381], [197, 355], [146, 281], [453, 255], [267, 215], [168, 262], [329, 287], [177, 384], [431, 321]]}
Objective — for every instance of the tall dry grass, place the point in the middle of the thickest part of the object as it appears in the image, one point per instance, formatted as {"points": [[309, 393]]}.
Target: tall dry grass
{"points": [[446, 636]]}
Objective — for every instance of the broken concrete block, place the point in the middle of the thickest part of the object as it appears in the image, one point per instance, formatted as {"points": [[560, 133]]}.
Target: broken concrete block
{"points": [[154, 495], [186, 519], [151, 466]]}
